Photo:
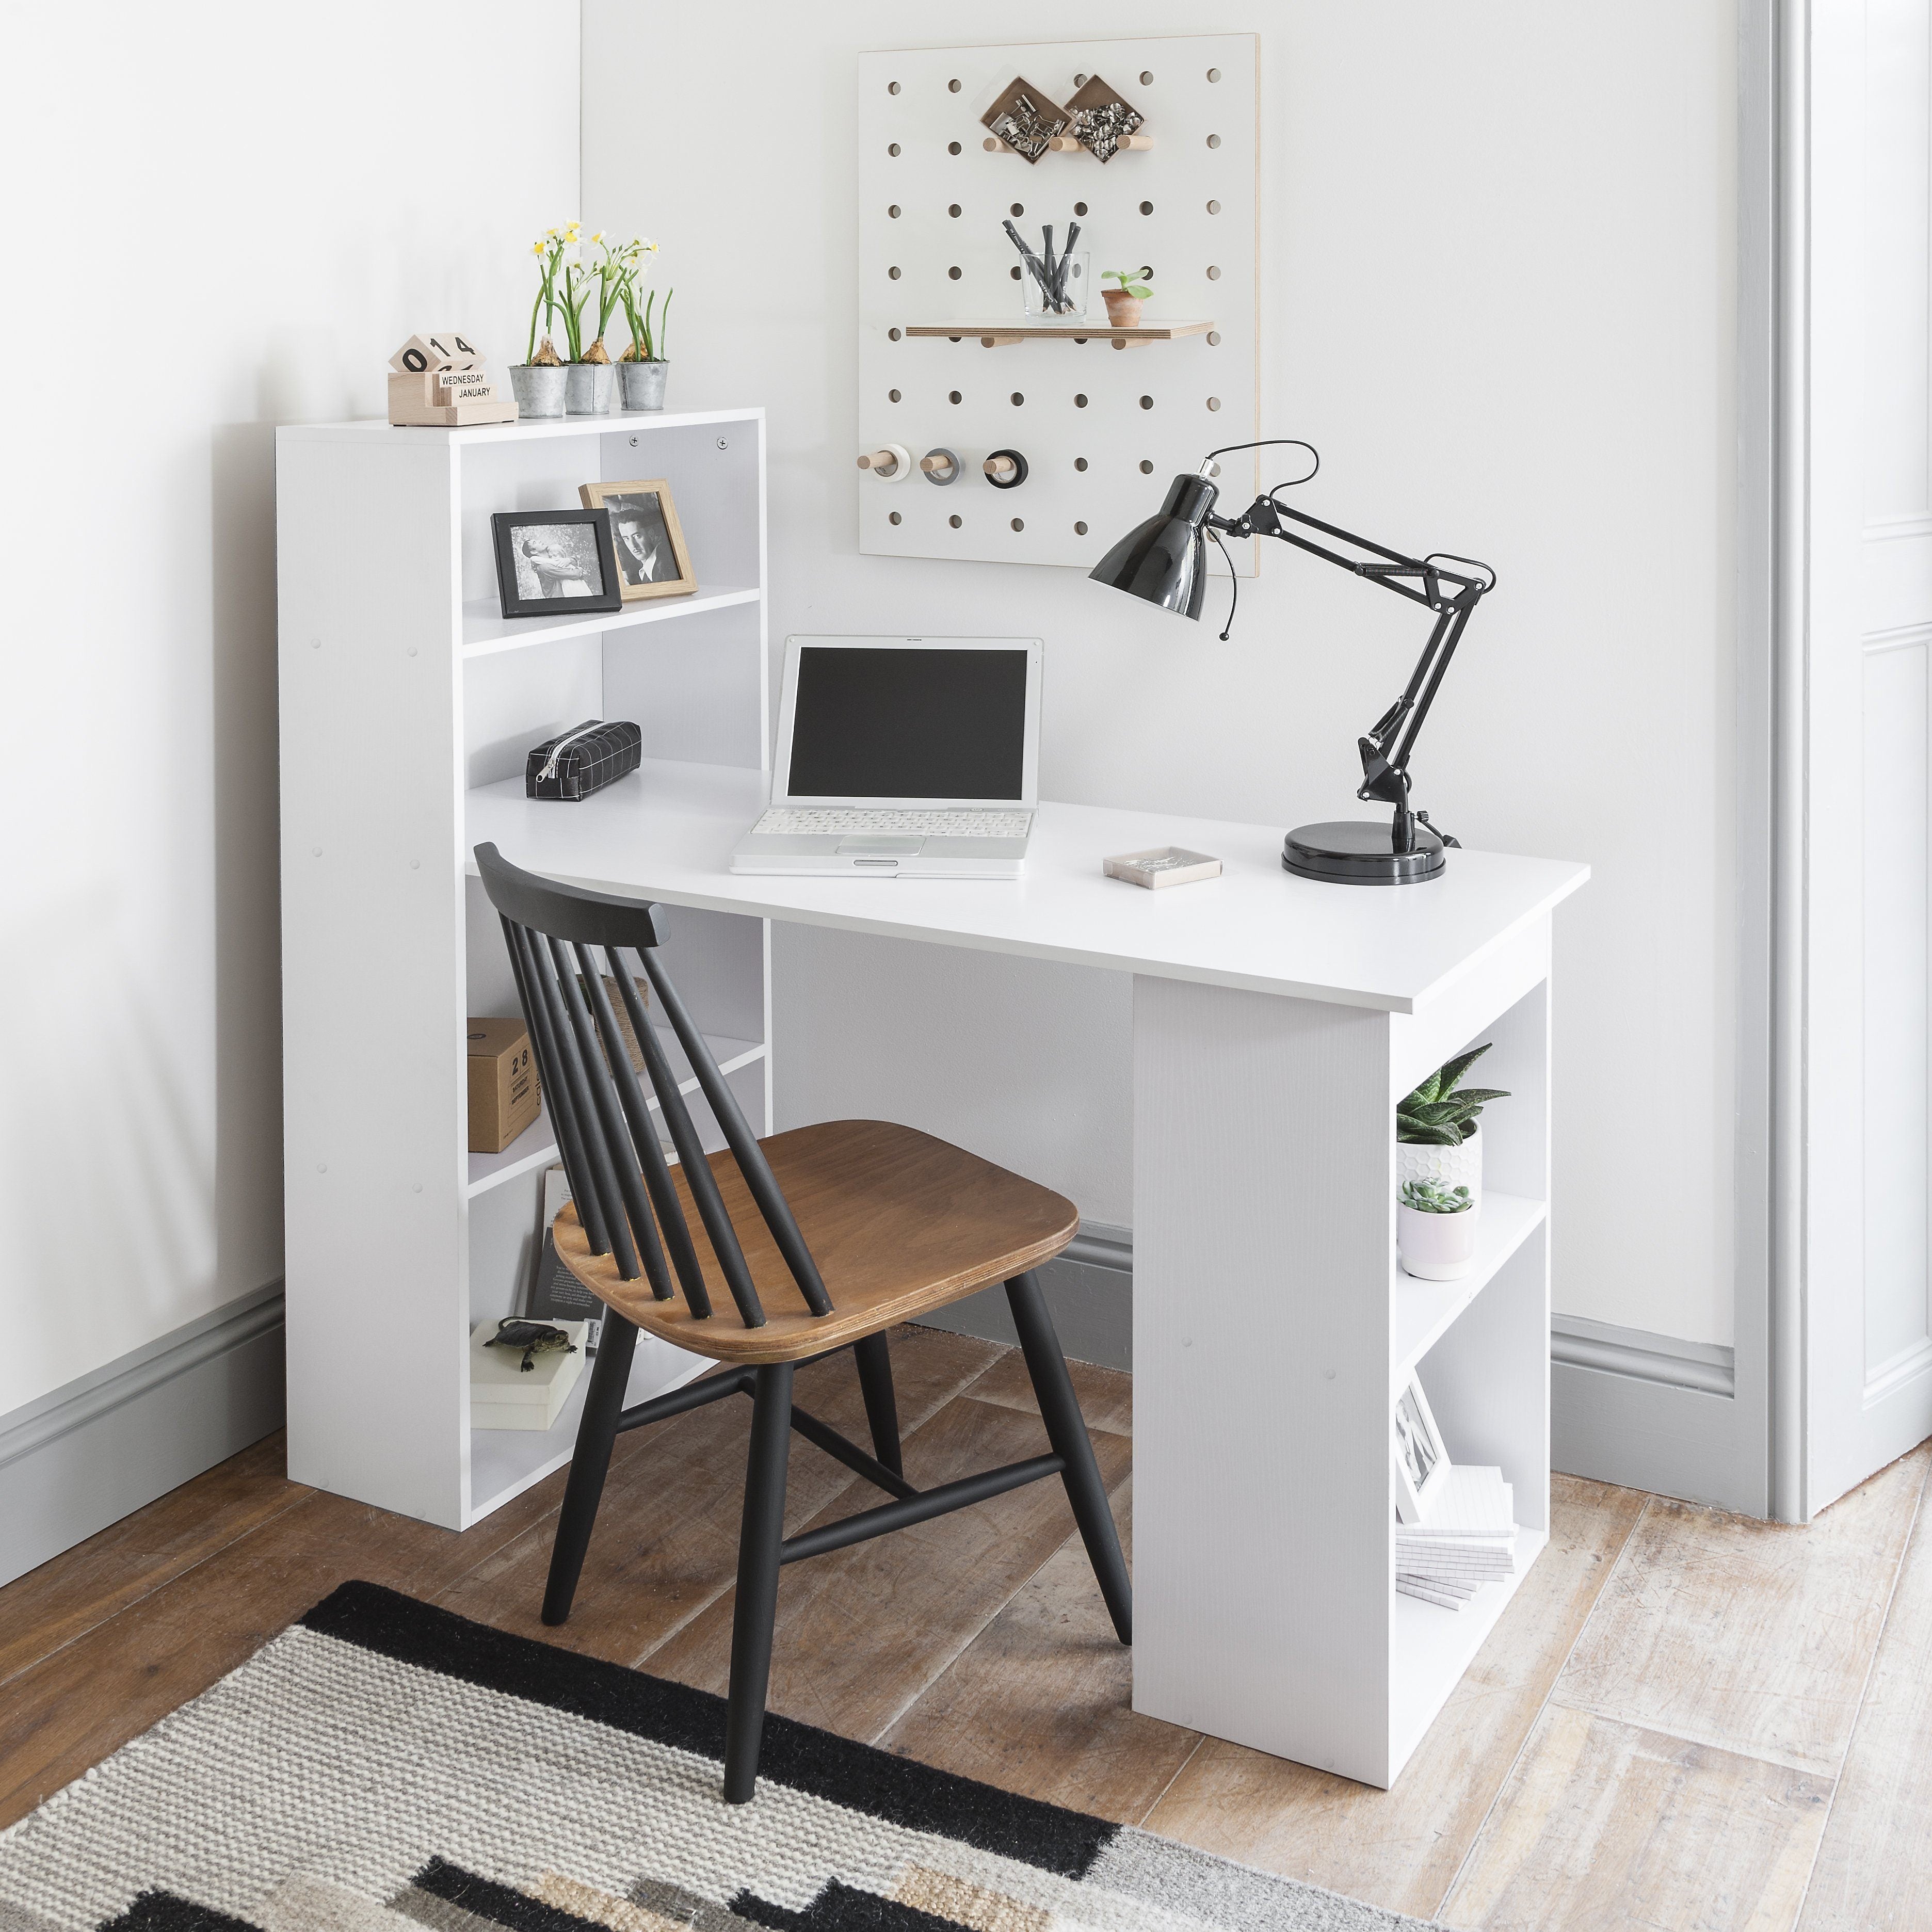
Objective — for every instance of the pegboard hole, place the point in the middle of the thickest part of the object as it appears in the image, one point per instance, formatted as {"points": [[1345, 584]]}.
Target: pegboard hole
{"points": [[1214, 207], [954, 397], [1019, 523], [1080, 207], [1080, 463], [1147, 468], [1017, 209], [1214, 140], [954, 210], [892, 87], [1146, 402], [892, 334], [892, 148], [1079, 80], [892, 395], [1016, 399], [953, 147], [1213, 402], [953, 87], [1079, 402], [952, 274], [1213, 73], [894, 211], [1079, 529], [1213, 273], [1014, 273], [1147, 80], [896, 518], [1214, 338], [1146, 208], [893, 273], [955, 521]]}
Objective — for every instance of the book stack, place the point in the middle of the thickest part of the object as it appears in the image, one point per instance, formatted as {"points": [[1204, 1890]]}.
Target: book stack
{"points": [[439, 382], [1466, 1540]]}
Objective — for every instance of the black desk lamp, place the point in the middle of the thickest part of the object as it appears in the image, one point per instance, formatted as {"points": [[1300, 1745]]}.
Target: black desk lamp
{"points": [[1165, 562]]}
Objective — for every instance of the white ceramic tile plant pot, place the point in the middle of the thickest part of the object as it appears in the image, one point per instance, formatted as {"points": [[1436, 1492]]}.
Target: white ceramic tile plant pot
{"points": [[1436, 1247], [1448, 1167]]}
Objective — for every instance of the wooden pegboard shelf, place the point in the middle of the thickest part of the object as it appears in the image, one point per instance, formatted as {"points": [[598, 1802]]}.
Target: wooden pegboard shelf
{"points": [[998, 334]]}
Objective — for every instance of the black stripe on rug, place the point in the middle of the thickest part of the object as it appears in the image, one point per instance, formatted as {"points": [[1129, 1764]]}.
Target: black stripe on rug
{"points": [[902, 1792], [842, 1908], [167, 1912], [500, 1904]]}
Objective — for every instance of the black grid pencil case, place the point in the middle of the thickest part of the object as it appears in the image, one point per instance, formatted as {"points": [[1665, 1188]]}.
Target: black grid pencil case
{"points": [[583, 760]]}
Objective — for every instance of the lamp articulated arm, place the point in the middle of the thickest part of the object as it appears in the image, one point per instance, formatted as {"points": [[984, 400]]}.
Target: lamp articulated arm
{"points": [[1450, 594]]}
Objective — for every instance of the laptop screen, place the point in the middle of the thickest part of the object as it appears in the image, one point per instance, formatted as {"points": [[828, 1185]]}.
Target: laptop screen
{"points": [[887, 723]]}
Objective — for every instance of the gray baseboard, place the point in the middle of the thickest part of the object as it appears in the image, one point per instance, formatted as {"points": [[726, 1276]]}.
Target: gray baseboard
{"points": [[1647, 1411], [1089, 1289], [85, 1455]]}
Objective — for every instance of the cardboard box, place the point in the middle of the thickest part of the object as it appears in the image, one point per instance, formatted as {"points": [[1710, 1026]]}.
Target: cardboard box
{"points": [[504, 1096], [504, 1395]]}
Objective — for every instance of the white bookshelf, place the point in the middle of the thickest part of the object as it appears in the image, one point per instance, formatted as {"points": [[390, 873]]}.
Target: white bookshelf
{"points": [[403, 691]]}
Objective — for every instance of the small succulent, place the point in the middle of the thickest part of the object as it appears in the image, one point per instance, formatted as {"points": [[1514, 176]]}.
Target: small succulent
{"points": [[1428, 1198], [1132, 281], [1437, 1113]]}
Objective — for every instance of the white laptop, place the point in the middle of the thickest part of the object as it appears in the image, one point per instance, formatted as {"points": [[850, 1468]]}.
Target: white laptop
{"points": [[902, 758]]}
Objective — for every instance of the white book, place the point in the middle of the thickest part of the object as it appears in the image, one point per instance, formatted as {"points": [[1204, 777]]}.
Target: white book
{"points": [[1473, 1501], [1463, 1591], [1428, 1593], [503, 1394]]}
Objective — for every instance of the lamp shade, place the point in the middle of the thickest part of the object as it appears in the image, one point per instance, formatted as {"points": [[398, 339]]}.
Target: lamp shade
{"points": [[1165, 560]]}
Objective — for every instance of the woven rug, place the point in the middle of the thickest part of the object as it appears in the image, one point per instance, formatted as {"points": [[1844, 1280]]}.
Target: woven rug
{"points": [[384, 1766]]}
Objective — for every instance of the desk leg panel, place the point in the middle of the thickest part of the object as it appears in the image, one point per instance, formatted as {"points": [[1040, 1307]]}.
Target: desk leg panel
{"points": [[1263, 1232]]}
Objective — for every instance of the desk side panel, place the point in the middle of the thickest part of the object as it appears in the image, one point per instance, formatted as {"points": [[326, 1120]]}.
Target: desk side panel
{"points": [[372, 963]]}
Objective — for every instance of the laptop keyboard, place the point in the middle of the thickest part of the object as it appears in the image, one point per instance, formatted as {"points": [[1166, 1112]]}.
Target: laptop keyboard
{"points": [[841, 819]]}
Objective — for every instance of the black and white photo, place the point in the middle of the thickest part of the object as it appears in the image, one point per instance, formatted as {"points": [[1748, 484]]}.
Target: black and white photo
{"points": [[550, 563], [646, 541], [1421, 1463]]}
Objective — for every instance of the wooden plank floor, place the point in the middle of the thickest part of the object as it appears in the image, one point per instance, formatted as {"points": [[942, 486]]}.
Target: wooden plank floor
{"points": [[1683, 1720]]}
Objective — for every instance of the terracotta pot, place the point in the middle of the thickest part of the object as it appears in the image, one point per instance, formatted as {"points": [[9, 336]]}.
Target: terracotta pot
{"points": [[1123, 311]]}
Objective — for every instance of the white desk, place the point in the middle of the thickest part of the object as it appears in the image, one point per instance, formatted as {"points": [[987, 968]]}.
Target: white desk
{"points": [[1276, 1021]]}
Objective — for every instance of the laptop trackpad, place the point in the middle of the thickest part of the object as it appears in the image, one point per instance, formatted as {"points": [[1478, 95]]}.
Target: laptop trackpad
{"points": [[856, 847]]}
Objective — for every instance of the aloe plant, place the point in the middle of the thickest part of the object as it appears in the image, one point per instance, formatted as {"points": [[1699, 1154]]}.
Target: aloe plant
{"points": [[1426, 1197], [1442, 1112]]}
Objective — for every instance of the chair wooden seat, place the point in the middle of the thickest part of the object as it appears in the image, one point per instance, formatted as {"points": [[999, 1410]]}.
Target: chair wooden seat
{"points": [[898, 1222]]}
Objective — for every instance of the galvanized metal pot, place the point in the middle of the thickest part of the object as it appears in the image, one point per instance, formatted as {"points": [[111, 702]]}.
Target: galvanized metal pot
{"points": [[643, 384], [539, 387], [587, 392]]}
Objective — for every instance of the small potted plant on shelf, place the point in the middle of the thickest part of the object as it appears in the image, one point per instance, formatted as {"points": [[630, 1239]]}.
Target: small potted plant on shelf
{"points": [[587, 390], [1435, 1230], [645, 366], [1123, 304], [538, 382], [1435, 1129]]}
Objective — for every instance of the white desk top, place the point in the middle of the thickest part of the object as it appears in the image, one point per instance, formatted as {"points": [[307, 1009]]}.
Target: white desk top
{"points": [[668, 834]]}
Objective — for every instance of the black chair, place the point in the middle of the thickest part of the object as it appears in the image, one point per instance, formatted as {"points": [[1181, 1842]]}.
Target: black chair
{"points": [[819, 1239]]}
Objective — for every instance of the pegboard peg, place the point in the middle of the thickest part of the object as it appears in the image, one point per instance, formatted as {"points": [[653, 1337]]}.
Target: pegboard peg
{"points": [[891, 464], [1000, 341], [941, 465], [1137, 144], [1063, 144]]}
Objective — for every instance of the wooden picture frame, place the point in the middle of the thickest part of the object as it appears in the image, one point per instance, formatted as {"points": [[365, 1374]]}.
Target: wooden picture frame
{"points": [[1421, 1463], [645, 536], [565, 575]]}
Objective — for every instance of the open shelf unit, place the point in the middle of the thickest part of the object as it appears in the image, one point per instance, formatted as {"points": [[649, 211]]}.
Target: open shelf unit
{"points": [[403, 691]]}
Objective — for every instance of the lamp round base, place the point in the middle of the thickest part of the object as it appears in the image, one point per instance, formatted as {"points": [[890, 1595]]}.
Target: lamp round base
{"points": [[1361, 852]]}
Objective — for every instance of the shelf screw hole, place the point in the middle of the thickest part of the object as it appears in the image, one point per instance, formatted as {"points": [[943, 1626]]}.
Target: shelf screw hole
{"points": [[1214, 140], [1019, 523], [1080, 463], [1079, 402], [1147, 80], [892, 395], [955, 521], [1147, 468], [952, 274], [953, 147], [892, 87], [954, 210], [892, 334], [1213, 274], [1213, 73], [1146, 402], [1213, 402], [1146, 208], [954, 397], [1016, 399], [1214, 338], [1214, 207], [894, 517], [1080, 207], [1079, 529]]}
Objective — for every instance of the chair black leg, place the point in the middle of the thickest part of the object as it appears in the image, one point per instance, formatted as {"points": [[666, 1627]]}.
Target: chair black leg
{"points": [[757, 1609], [589, 1462], [875, 1380], [1067, 1430]]}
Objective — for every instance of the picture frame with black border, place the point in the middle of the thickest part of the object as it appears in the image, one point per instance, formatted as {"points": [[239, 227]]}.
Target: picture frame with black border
{"points": [[1421, 1463], [646, 539], [555, 563]]}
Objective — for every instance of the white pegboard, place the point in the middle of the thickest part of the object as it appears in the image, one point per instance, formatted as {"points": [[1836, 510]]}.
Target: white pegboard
{"points": [[931, 200]]}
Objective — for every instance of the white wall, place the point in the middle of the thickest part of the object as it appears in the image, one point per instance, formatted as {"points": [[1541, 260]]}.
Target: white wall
{"points": [[221, 217], [1497, 248]]}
